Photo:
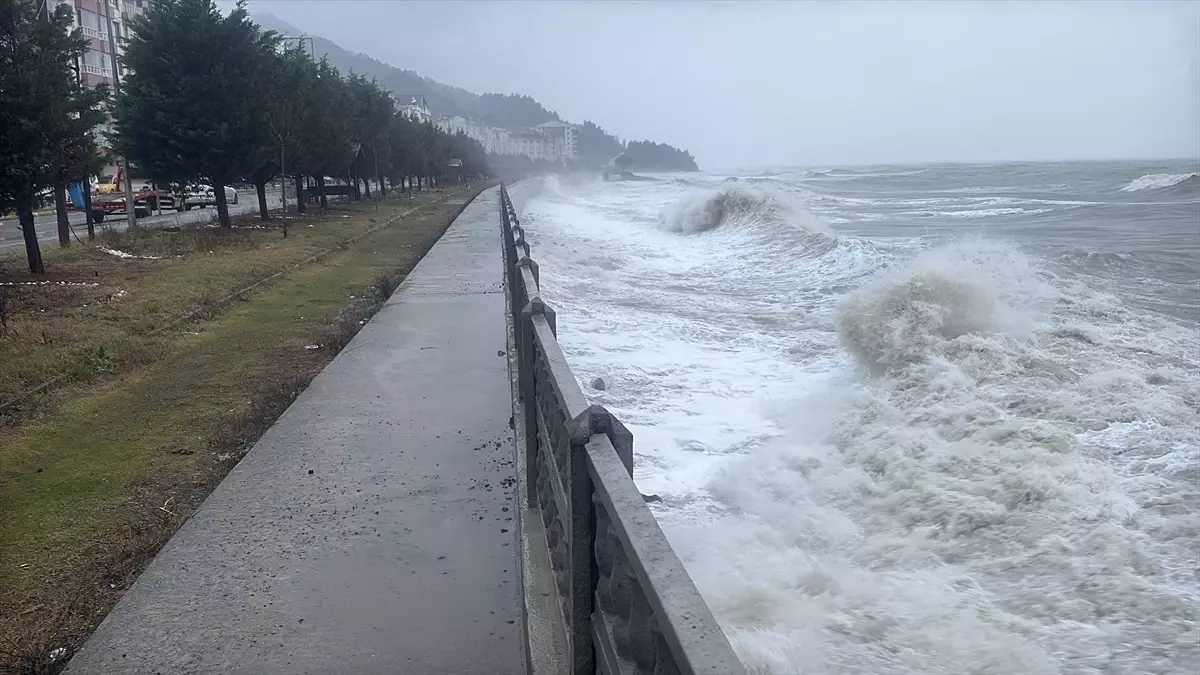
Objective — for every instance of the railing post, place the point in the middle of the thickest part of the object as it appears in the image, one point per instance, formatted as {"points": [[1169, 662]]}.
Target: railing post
{"points": [[582, 541], [527, 386]]}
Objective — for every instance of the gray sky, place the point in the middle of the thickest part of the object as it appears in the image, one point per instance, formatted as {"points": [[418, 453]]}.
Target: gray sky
{"points": [[814, 83]]}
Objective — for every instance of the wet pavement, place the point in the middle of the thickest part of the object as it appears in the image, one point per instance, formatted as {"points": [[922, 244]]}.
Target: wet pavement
{"points": [[371, 529]]}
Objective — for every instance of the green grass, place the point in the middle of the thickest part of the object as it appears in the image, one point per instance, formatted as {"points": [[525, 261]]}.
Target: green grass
{"points": [[90, 489]]}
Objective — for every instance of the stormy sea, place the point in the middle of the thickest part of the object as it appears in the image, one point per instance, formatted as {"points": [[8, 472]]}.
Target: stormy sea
{"points": [[907, 419]]}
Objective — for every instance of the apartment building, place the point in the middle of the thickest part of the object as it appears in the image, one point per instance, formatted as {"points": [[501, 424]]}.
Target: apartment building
{"points": [[536, 145], [95, 67], [551, 142], [566, 135], [91, 17], [493, 139]]}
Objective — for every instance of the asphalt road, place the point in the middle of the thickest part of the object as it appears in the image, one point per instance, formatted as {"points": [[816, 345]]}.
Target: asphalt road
{"points": [[47, 226]]}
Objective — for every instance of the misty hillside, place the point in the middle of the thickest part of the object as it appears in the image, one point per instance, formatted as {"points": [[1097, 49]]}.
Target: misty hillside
{"points": [[502, 110], [509, 111]]}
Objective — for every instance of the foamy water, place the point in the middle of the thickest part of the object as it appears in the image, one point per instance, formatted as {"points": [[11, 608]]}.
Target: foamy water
{"points": [[887, 443]]}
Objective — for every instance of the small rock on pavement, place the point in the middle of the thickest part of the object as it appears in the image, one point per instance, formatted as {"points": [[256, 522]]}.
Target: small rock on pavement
{"points": [[598, 384], [652, 498]]}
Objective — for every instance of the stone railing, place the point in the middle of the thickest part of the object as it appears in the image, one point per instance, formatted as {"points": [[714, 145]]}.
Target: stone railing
{"points": [[627, 605]]}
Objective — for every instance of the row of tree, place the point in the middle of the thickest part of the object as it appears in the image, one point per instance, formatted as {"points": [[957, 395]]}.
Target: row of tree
{"points": [[212, 97], [206, 98], [651, 156]]}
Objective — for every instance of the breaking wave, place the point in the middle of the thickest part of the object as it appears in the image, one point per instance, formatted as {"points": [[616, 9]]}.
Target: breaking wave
{"points": [[735, 205], [1158, 181]]}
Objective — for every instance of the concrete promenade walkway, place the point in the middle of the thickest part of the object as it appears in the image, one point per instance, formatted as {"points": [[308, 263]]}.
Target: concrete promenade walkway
{"points": [[370, 530]]}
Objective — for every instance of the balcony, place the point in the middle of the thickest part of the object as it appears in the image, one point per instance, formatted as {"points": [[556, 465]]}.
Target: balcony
{"points": [[97, 70], [93, 33]]}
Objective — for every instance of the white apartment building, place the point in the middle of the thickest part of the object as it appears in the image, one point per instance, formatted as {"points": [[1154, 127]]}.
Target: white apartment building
{"points": [[537, 146], [412, 107], [566, 134], [493, 139], [551, 142]]}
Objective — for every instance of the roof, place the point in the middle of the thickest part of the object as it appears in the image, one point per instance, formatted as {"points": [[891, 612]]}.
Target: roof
{"points": [[409, 99]]}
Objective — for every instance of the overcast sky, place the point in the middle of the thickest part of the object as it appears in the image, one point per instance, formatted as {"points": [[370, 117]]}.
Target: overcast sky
{"points": [[814, 83]]}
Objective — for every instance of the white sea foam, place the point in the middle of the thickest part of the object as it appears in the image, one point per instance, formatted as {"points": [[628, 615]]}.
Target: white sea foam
{"points": [[977, 213], [878, 459]]}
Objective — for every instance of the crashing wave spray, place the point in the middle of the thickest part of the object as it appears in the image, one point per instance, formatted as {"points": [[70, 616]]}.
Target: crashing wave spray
{"points": [[903, 316], [956, 512]]}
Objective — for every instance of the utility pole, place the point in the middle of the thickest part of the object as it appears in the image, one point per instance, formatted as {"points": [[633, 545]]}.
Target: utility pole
{"points": [[282, 178], [130, 209]]}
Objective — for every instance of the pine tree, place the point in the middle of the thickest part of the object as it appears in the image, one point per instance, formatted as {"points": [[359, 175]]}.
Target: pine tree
{"points": [[36, 54], [193, 104]]}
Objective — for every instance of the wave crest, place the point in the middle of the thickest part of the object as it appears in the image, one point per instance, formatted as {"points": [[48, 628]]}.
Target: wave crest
{"points": [[1159, 181], [736, 205]]}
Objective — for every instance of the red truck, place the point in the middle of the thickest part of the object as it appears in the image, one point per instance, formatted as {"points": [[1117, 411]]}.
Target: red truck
{"points": [[110, 200]]}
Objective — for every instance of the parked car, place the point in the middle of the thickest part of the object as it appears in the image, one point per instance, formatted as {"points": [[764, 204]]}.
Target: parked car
{"points": [[43, 198], [200, 196]]}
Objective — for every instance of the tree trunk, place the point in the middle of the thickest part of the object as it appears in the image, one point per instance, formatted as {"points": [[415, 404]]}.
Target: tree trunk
{"points": [[262, 200], [222, 206], [60, 210], [87, 209], [33, 252], [366, 187], [300, 198], [321, 187], [382, 185]]}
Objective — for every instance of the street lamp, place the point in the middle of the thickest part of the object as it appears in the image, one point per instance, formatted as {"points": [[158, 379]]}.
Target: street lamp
{"points": [[283, 178]]}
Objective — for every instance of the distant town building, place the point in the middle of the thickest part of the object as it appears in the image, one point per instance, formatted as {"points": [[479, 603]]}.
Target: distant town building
{"points": [[550, 142], [412, 107], [566, 134]]}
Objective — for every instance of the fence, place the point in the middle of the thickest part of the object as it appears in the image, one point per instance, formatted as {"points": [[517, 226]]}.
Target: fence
{"points": [[627, 604]]}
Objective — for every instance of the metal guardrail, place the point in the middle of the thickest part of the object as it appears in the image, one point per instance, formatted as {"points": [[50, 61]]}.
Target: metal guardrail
{"points": [[627, 604]]}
